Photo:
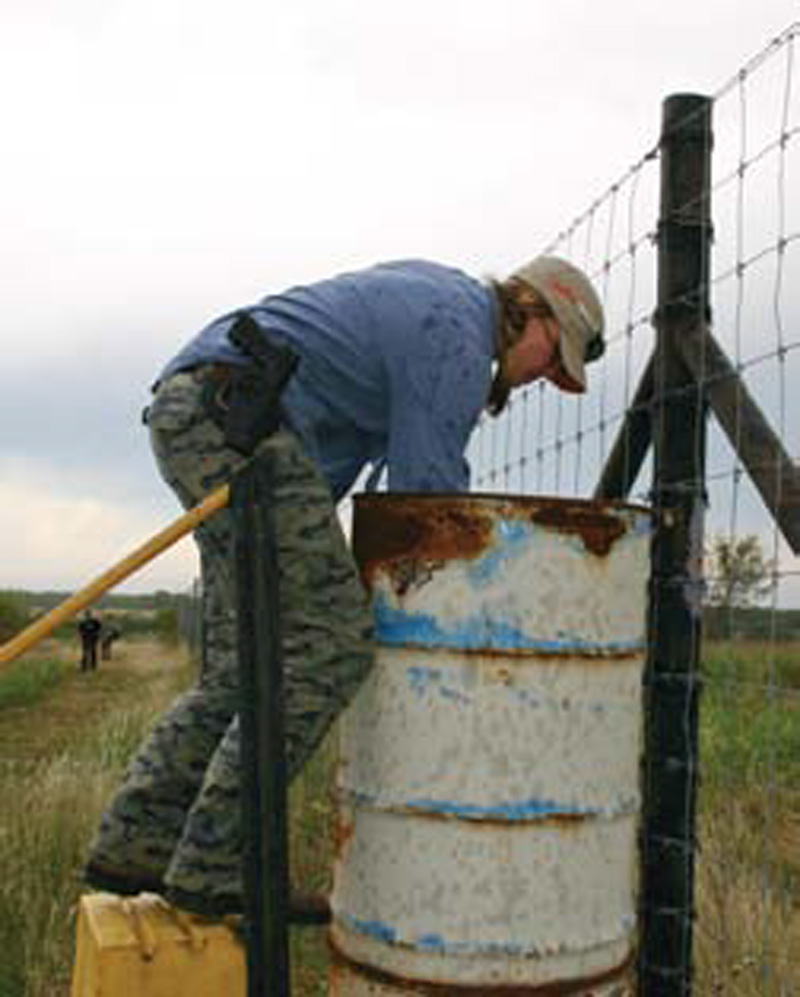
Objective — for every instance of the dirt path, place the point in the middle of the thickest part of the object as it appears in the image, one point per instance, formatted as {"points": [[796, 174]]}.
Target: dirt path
{"points": [[45, 728]]}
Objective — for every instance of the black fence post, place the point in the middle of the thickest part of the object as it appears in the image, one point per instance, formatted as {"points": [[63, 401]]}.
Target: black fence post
{"points": [[265, 862], [679, 439]]}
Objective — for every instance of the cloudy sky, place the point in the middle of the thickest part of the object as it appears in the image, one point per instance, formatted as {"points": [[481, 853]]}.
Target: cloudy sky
{"points": [[166, 160]]}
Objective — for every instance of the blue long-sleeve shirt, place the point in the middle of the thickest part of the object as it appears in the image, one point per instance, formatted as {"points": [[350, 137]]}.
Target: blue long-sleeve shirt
{"points": [[395, 367]]}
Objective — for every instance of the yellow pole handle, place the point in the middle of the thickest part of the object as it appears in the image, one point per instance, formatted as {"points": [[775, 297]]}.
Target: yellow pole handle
{"points": [[38, 630]]}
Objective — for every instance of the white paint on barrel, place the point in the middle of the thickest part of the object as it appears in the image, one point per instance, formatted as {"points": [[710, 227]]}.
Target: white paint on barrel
{"points": [[489, 776], [493, 737]]}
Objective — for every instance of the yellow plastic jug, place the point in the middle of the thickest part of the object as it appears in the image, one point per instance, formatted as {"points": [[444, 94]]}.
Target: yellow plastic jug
{"points": [[143, 947]]}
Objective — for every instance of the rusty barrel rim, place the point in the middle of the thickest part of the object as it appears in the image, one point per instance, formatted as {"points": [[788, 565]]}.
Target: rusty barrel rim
{"points": [[400, 536], [394, 524]]}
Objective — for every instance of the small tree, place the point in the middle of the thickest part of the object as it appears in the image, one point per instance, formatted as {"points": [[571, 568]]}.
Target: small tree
{"points": [[737, 571]]}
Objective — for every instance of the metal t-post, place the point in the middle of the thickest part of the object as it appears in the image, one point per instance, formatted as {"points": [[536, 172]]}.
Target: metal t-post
{"points": [[679, 440], [265, 861]]}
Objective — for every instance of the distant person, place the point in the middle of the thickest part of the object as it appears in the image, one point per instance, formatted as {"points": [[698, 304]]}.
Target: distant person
{"points": [[389, 367], [109, 636], [89, 629]]}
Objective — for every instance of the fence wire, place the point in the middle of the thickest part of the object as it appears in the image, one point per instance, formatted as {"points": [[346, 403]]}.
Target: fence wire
{"points": [[549, 443], [747, 924]]}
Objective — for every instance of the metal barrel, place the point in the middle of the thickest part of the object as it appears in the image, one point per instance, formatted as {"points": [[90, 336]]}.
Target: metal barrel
{"points": [[489, 775]]}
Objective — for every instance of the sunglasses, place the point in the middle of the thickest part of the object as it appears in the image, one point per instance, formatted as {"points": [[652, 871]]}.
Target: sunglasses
{"points": [[595, 348]]}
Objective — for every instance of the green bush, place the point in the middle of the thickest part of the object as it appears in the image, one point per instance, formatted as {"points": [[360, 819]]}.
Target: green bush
{"points": [[750, 724], [27, 681], [752, 664], [14, 614], [166, 625]]}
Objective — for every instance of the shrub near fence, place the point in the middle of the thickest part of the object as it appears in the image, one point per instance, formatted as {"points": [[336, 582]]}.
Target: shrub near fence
{"points": [[14, 614]]}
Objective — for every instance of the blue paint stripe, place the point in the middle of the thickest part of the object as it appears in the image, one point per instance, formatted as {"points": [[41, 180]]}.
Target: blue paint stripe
{"points": [[373, 929], [430, 941], [435, 943], [523, 811], [510, 811], [397, 628]]}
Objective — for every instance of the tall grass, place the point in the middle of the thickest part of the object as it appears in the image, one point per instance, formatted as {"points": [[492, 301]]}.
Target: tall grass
{"points": [[312, 817], [24, 683], [748, 868], [48, 819], [748, 871], [748, 922], [48, 814]]}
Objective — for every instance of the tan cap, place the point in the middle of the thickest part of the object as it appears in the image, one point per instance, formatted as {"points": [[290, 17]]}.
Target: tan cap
{"points": [[576, 306]]}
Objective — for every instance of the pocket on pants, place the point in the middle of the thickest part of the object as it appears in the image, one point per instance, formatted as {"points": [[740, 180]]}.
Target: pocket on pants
{"points": [[177, 405]]}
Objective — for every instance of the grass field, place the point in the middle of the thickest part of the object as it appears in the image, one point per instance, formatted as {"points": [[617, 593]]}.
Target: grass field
{"points": [[64, 742], [62, 752], [28, 682], [65, 739], [748, 868]]}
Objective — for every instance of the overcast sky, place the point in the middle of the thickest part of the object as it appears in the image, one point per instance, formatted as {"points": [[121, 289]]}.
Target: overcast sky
{"points": [[166, 160]]}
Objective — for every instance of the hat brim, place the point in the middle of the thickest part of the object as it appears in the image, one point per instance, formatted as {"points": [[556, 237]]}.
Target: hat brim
{"points": [[573, 377]]}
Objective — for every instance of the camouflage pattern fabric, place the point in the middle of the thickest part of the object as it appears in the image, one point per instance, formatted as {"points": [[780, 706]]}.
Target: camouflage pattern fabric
{"points": [[175, 825]]}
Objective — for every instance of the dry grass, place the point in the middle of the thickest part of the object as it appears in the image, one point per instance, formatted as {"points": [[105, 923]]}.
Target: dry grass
{"points": [[312, 810], [748, 870], [53, 786], [748, 924], [49, 820], [59, 766]]}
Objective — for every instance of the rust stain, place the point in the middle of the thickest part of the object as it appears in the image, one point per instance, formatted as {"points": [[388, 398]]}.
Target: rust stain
{"points": [[343, 967], [343, 830], [413, 536], [598, 530], [409, 535]]}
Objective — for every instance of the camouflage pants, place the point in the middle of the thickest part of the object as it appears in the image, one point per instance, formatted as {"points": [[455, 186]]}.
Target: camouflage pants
{"points": [[176, 819]]}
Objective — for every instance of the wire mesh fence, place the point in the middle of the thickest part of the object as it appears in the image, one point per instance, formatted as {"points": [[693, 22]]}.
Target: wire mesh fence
{"points": [[748, 928], [747, 835]]}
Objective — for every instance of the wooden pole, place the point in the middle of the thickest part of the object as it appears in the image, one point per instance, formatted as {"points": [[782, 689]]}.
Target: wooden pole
{"points": [[761, 450], [631, 445], [669, 771], [71, 606]]}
